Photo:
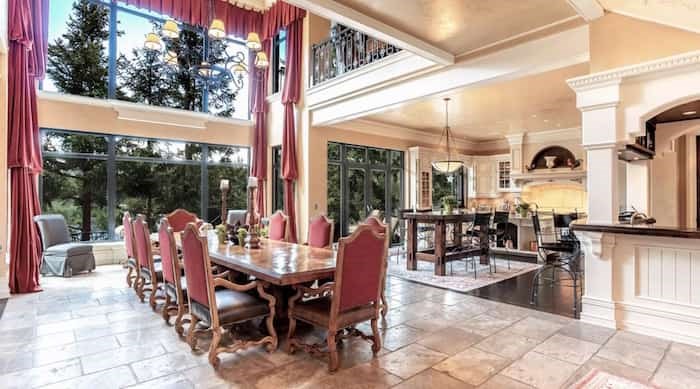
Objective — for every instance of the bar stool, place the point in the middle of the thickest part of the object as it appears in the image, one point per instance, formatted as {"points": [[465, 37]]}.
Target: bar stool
{"points": [[498, 233]]}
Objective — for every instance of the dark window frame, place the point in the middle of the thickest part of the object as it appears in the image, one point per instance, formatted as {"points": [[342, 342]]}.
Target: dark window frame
{"points": [[112, 158], [277, 181], [279, 40]]}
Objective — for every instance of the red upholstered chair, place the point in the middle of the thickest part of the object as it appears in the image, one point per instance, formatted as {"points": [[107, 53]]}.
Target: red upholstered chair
{"points": [[130, 250], [380, 228], [279, 227], [174, 282], [179, 218], [216, 303], [150, 274], [320, 232], [351, 299]]}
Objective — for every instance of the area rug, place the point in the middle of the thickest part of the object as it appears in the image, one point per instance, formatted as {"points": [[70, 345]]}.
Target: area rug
{"points": [[458, 278], [597, 379]]}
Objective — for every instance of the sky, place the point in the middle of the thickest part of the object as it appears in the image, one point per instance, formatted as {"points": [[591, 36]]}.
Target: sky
{"points": [[135, 29]]}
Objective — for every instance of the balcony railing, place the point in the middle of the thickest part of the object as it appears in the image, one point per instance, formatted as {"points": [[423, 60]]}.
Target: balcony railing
{"points": [[345, 51]]}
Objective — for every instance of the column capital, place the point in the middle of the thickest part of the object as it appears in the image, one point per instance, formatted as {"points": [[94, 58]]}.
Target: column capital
{"points": [[515, 139]]}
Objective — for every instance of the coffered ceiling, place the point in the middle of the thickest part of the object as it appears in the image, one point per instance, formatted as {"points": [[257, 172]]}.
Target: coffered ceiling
{"points": [[529, 104], [460, 26]]}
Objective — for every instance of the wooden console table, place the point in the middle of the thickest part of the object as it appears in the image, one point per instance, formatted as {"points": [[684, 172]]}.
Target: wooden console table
{"points": [[440, 254]]}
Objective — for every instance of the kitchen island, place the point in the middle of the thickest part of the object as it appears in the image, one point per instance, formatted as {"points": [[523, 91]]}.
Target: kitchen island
{"points": [[642, 278]]}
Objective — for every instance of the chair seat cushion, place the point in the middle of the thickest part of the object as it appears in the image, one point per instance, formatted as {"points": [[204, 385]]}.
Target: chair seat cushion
{"points": [[318, 311], [69, 249], [170, 289], [233, 307]]}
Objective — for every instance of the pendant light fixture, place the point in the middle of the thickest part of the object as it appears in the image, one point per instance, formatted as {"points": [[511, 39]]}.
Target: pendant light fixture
{"points": [[448, 165]]}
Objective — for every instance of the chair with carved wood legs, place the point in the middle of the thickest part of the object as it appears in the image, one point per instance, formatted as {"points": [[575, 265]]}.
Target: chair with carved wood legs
{"points": [[150, 273], [353, 298], [174, 283], [380, 228], [131, 263], [217, 303]]}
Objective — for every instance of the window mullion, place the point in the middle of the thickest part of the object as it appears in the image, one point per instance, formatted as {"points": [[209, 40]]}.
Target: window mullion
{"points": [[112, 70], [111, 187]]}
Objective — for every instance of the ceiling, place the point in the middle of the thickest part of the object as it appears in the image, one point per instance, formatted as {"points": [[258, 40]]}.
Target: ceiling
{"points": [[683, 14], [529, 104], [459, 26], [687, 111]]}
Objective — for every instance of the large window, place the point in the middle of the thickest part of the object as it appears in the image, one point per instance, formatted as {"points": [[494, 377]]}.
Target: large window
{"points": [[279, 60], [92, 179], [364, 181], [96, 50], [277, 181]]}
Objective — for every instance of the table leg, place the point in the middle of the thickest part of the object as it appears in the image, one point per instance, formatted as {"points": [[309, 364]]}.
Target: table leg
{"points": [[440, 243], [484, 243], [457, 239], [412, 243]]}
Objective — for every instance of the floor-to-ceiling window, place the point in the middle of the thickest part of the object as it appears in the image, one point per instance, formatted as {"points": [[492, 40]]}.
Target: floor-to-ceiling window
{"points": [[96, 49], [277, 181], [92, 179], [363, 181]]}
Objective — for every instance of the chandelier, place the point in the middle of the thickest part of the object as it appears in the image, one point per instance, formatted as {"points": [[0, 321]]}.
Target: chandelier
{"points": [[449, 165], [229, 69]]}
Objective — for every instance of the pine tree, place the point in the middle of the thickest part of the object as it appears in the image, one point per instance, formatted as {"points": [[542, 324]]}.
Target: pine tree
{"points": [[77, 61]]}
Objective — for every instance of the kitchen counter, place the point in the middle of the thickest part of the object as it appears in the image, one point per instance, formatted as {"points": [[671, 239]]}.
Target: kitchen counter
{"points": [[639, 229]]}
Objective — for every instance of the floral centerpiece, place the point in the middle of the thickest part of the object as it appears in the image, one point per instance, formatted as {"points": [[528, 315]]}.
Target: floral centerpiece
{"points": [[448, 203], [522, 209]]}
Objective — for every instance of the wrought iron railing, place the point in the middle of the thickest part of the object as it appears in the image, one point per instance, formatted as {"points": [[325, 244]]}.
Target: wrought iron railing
{"points": [[345, 51]]}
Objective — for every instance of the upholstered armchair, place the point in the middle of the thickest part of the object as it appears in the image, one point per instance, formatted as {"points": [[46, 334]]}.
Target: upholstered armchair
{"points": [[351, 299], [174, 283], [216, 303], [320, 232], [150, 274], [279, 227], [380, 228], [179, 218], [62, 257]]}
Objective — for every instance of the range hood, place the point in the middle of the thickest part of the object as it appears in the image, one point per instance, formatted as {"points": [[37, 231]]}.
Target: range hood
{"points": [[549, 175]]}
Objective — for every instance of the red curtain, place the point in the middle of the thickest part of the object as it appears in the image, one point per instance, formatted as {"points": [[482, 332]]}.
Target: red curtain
{"points": [[258, 92], [290, 96], [239, 22], [27, 60]]}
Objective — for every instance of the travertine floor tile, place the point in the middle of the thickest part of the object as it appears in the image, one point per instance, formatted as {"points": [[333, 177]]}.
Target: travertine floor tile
{"points": [[611, 367], [163, 365], [484, 324], [409, 360], [172, 381], [450, 340], [430, 379], [632, 354], [536, 328], [121, 356], [500, 381], [472, 366], [40, 376], [118, 377], [74, 350], [294, 375], [588, 332], [396, 337], [674, 376], [568, 349], [684, 354], [540, 371], [363, 376], [507, 344]]}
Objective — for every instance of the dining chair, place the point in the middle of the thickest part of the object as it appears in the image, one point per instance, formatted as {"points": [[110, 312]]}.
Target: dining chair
{"points": [[351, 299], [279, 227], [320, 232], [131, 263], [179, 218], [380, 228], [174, 283], [150, 274], [216, 303], [498, 232]]}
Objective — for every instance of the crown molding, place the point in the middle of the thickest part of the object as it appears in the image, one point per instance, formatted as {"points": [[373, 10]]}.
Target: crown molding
{"points": [[558, 135], [589, 10], [618, 74]]}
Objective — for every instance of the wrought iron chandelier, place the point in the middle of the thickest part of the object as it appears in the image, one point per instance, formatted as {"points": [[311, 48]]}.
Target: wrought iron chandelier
{"points": [[227, 70], [448, 165]]}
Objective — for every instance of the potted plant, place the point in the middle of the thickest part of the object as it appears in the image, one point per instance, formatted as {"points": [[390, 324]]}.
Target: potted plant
{"points": [[221, 233], [448, 203], [242, 232], [522, 209]]}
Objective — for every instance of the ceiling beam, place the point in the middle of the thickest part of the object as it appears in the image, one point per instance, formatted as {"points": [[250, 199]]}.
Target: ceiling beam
{"points": [[347, 16], [589, 10]]}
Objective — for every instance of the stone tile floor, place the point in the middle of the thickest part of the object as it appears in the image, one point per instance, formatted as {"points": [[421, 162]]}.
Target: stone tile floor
{"points": [[90, 331]]}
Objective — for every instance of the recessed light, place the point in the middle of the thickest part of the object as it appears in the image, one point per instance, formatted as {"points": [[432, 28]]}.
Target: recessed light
{"points": [[688, 113], [534, 116], [546, 120], [636, 158]]}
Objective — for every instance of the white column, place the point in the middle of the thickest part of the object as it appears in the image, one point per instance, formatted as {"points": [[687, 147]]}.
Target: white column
{"points": [[598, 306], [516, 152], [602, 183]]}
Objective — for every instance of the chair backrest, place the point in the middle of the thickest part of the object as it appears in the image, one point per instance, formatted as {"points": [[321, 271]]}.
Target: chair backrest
{"points": [[562, 225], [376, 224], [501, 217], [482, 219], [537, 227], [53, 229], [130, 247], [142, 238], [278, 226], [195, 257], [179, 218], [168, 253], [320, 232], [360, 268]]}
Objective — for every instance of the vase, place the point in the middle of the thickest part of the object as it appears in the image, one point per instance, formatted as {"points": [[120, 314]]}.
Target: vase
{"points": [[447, 209]]}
